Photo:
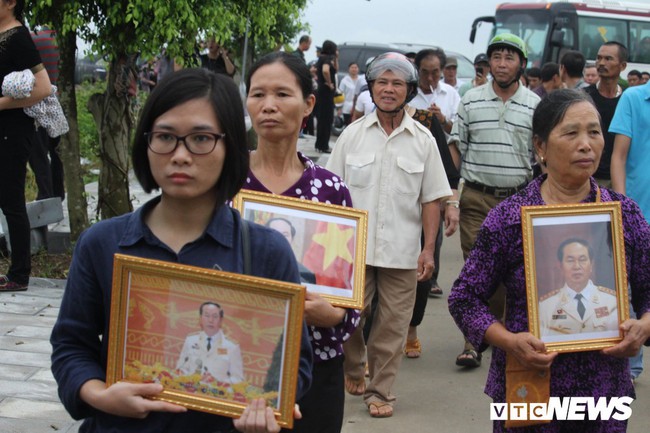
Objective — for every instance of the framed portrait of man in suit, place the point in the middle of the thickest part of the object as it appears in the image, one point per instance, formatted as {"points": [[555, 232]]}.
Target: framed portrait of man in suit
{"points": [[214, 340], [576, 283], [329, 241]]}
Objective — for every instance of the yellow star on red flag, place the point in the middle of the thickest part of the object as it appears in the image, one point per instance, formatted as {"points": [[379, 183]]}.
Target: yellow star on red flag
{"points": [[335, 243]]}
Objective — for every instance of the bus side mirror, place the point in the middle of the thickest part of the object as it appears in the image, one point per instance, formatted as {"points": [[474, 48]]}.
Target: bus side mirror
{"points": [[477, 22], [557, 38]]}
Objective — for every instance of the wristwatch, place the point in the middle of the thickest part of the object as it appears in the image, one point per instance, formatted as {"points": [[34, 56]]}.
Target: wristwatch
{"points": [[454, 203]]}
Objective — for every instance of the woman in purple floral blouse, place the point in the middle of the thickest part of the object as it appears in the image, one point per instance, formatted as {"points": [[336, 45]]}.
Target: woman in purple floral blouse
{"points": [[569, 142], [279, 98]]}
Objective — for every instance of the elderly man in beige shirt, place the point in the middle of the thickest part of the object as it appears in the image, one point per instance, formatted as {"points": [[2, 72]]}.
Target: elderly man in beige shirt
{"points": [[393, 169]]}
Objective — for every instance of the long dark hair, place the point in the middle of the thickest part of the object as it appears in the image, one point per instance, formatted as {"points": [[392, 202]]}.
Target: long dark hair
{"points": [[329, 48]]}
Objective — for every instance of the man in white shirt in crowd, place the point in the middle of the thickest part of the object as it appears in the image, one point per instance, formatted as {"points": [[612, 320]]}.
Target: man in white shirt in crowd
{"points": [[394, 171], [433, 94]]}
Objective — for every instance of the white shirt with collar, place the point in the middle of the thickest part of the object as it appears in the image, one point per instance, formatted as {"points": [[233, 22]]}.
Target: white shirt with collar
{"points": [[223, 361], [390, 176], [558, 311], [444, 96]]}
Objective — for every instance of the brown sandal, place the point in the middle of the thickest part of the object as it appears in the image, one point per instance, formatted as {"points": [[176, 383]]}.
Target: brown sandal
{"points": [[377, 406], [355, 386], [413, 348]]}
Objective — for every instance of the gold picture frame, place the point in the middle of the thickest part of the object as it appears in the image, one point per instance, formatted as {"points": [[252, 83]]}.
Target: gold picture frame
{"points": [[579, 247], [158, 334], [329, 241]]}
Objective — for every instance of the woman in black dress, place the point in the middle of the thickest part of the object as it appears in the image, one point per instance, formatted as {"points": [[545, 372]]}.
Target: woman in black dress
{"points": [[17, 137], [327, 66]]}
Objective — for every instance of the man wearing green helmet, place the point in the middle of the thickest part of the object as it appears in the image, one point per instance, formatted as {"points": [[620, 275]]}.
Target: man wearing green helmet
{"points": [[491, 141]]}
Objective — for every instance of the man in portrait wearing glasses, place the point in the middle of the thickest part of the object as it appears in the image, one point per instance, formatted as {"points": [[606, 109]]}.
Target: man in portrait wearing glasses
{"points": [[208, 352]]}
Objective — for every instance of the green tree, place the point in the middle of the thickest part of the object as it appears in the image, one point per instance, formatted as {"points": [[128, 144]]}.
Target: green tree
{"points": [[122, 30]]}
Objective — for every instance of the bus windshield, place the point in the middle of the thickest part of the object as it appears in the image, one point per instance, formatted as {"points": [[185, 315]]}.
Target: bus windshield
{"points": [[531, 26]]}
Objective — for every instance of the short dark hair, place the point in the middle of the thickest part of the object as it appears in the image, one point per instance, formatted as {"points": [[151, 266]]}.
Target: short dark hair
{"points": [[583, 242], [222, 94], [352, 63], [211, 303], [304, 38], [551, 110], [622, 50], [635, 73], [534, 72], [297, 67], [329, 48], [291, 227], [645, 73], [573, 63], [549, 70], [428, 52]]}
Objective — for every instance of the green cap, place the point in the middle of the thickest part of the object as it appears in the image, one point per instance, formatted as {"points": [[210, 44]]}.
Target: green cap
{"points": [[510, 41]]}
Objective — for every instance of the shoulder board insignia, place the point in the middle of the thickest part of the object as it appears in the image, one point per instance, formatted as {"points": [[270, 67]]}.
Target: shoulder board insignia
{"points": [[549, 294], [606, 290]]}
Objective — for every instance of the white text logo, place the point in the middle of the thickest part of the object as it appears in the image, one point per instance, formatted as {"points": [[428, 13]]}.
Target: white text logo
{"points": [[565, 409]]}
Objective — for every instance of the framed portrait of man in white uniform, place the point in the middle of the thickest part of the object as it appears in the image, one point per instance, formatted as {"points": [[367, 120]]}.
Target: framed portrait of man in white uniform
{"points": [[576, 283], [214, 340]]}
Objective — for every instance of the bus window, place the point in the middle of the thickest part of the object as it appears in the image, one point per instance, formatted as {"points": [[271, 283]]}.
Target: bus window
{"points": [[596, 31], [639, 42], [531, 26]]}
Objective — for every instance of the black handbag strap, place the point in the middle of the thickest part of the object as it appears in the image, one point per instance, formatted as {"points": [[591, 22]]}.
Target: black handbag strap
{"points": [[246, 241]]}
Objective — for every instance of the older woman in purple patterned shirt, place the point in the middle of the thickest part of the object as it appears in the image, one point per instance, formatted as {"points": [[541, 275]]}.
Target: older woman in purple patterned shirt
{"points": [[280, 96], [569, 142]]}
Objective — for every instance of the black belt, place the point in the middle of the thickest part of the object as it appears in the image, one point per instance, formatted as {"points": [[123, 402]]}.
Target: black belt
{"points": [[496, 192]]}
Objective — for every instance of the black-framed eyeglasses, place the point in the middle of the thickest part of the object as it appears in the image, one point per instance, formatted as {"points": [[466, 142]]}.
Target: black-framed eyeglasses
{"points": [[197, 143]]}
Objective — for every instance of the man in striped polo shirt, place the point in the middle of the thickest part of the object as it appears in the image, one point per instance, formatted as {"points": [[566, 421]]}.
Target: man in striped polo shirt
{"points": [[491, 141]]}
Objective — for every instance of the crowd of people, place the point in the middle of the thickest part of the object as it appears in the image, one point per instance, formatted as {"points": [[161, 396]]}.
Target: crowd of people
{"points": [[424, 153]]}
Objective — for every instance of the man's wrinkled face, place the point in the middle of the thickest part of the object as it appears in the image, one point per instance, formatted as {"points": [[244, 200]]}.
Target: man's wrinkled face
{"points": [[389, 91], [429, 72]]}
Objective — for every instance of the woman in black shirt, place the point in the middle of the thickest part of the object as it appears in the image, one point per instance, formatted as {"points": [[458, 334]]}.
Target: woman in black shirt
{"points": [[17, 136], [327, 66]]}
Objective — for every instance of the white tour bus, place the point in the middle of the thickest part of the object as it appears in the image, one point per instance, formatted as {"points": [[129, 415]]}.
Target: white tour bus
{"points": [[551, 28]]}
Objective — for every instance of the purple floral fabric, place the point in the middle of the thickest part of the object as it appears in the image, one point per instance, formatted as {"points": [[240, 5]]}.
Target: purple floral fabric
{"points": [[320, 185], [498, 257]]}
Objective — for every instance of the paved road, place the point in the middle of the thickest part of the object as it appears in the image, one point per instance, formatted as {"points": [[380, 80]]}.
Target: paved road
{"points": [[433, 394]]}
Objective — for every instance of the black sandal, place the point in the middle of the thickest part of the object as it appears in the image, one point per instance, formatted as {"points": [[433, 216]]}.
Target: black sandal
{"points": [[469, 358], [435, 292]]}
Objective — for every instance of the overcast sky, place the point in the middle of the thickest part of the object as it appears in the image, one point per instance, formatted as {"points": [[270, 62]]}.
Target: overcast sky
{"points": [[446, 23]]}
